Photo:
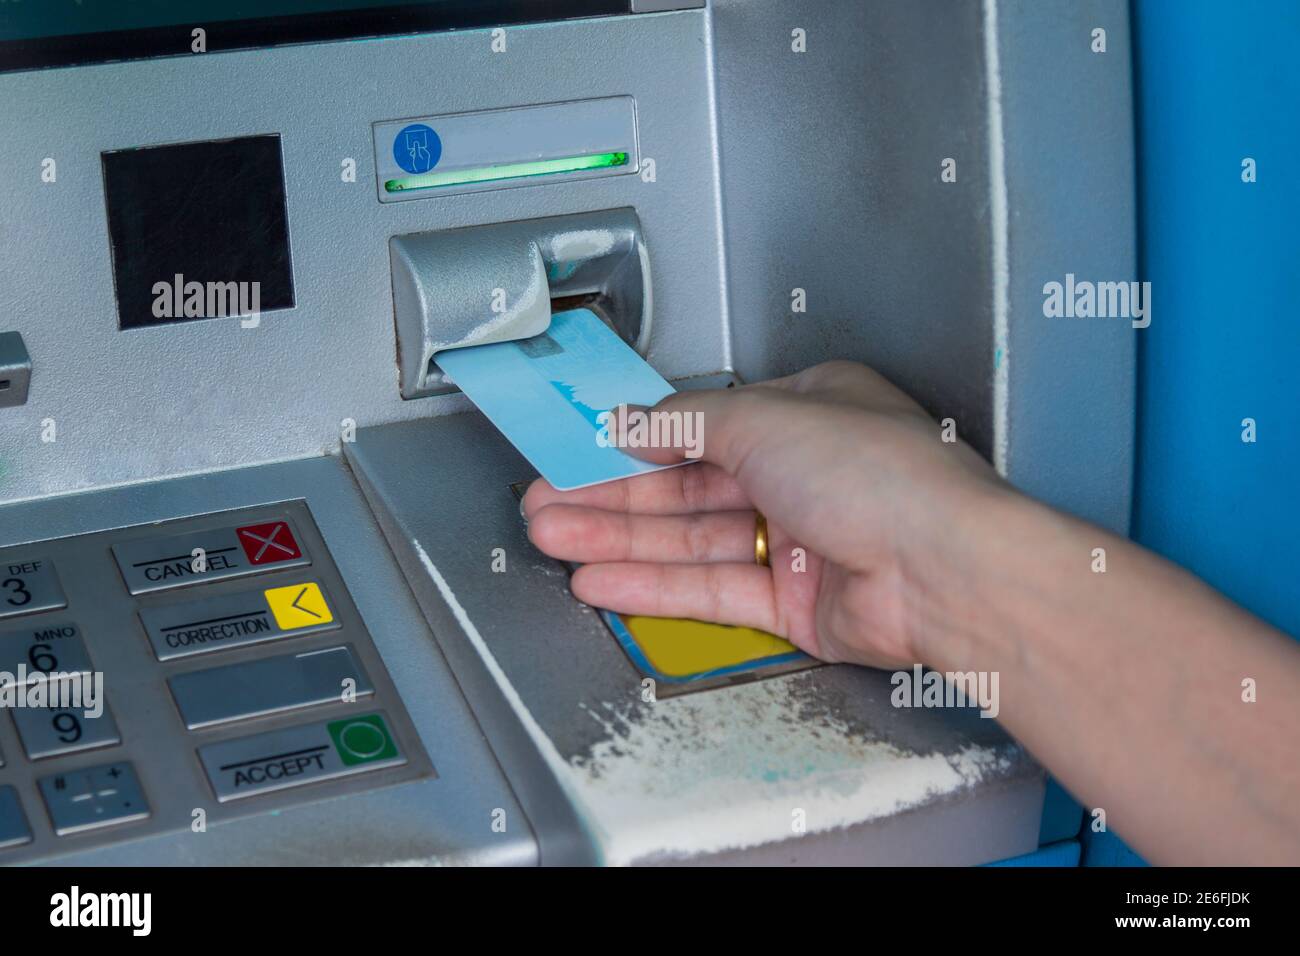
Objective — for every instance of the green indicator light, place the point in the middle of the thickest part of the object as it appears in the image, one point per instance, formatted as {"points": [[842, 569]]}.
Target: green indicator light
{"points": [[361, 740], [493, 174]]}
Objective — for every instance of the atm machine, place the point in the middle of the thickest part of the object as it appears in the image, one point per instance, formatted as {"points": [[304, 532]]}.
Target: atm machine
{"points": [[233, 240]]}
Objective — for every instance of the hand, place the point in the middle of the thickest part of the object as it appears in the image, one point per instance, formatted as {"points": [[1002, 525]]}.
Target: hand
{"points": [[917, 552], [870, 517]]}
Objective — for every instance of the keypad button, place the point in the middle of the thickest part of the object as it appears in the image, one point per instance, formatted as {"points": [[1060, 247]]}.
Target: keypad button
{"points": [[237, 620], [95, 797], [196, 557], [269, 686], [36, 650], [299, 755], [49, 732], [28, 586], [14, 830]]}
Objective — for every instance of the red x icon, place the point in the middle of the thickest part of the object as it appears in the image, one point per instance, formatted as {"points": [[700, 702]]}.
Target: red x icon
{"points": [[268, 543]]}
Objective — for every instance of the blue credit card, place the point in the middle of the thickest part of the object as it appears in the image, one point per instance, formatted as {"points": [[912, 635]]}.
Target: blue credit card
{"points": [[547, 394]]}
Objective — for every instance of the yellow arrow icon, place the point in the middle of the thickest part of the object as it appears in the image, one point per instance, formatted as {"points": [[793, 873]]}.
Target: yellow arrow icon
{"points": [[298, 605]]}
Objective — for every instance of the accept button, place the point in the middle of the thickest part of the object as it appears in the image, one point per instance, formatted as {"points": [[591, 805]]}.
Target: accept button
{"points": [[296, 756], [298, 605]]}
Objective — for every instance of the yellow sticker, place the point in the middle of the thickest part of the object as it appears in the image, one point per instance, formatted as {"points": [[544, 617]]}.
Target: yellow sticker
{"points": [[299, 605], [677, 647]]}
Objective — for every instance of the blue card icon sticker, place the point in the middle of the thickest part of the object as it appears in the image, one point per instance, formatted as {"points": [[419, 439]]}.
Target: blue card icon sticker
{"points": [[417, 148]]}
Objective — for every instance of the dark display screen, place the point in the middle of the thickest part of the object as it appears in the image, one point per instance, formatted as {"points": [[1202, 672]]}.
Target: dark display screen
{"points": [[47, 33], [198, 230]]}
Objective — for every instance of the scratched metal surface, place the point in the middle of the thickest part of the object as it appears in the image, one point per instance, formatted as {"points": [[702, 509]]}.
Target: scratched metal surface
{"points": [[846, 202]]}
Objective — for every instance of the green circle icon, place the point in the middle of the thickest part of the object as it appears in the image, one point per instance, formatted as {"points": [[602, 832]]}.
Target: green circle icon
{"points": [[362, 739]]}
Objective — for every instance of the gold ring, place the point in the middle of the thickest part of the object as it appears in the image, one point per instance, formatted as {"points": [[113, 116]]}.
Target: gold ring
{"points": [[760, 539]]}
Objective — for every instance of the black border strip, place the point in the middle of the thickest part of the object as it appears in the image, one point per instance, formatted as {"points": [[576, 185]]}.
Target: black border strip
{"points": [[84, 48]]}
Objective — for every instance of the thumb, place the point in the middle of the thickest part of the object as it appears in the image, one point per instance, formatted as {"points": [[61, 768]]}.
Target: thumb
{"points": [[715, 425]]}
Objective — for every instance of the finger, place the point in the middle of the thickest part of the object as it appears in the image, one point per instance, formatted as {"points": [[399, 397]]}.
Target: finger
{"points": [[700, 487], [737, 594], [722, 425], [717, 425], [576, 533], [847, 383], [660, 435]]}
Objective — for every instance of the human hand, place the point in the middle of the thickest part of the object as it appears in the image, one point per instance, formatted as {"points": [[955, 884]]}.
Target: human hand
{"points": [[869, 513]]}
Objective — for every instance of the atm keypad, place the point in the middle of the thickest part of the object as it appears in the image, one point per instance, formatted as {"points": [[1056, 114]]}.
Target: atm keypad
{"points": [[258, 677]]}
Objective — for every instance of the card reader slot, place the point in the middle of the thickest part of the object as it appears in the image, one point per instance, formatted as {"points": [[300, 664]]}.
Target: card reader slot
{"points": [[477, 285]]}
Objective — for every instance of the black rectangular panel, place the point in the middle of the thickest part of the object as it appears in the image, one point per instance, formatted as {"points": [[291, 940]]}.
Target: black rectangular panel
{"points": [[39, 34], [194, 226]]}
